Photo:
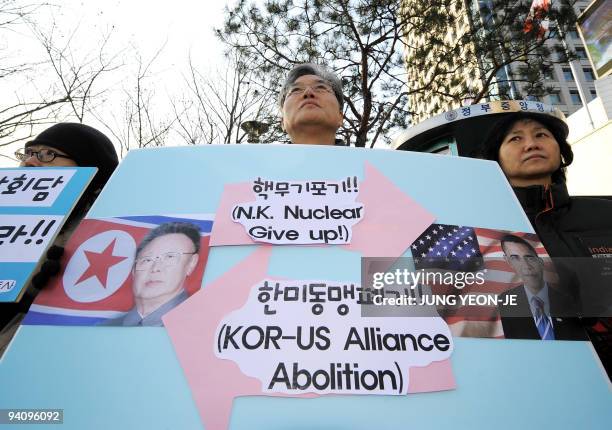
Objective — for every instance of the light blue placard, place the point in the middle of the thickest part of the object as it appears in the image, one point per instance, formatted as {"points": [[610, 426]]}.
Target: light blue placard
{"points": [[129, 378], [467, 191], [20, 273], [99, 377]]}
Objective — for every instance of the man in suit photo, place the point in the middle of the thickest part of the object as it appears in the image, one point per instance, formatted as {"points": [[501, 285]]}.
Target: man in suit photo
{"points": [[164, 259], [540, 310]]}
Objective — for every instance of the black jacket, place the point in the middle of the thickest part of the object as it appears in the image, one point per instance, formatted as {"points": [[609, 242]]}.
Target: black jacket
{"points": [[567, 226], [577, 233], [571, 227]]}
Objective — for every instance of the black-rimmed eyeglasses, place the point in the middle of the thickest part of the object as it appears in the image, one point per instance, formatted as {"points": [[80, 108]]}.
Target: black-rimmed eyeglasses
{"points": [[43, 155]]}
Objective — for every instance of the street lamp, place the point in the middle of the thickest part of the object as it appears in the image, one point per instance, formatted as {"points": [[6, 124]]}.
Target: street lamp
{"points": [[254, 129]]}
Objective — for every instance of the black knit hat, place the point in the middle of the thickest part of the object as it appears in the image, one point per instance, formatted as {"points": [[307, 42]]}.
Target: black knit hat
{"points": [[558, 127], [87, 146]]}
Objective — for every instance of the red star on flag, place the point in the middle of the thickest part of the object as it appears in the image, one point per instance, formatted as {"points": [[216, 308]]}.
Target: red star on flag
{"points": [[100, 263]]}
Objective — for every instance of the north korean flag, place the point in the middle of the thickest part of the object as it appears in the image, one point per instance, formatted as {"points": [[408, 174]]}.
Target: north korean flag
{"points": [[95, 283]]}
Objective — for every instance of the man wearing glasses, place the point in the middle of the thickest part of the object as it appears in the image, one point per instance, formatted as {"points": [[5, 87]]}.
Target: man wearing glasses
{"points": [[532, 314], [164, 259], [311, 103]]}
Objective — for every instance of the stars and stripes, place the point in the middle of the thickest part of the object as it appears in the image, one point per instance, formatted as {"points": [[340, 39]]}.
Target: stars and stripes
{"points": [[452, 249], [447, 247]]}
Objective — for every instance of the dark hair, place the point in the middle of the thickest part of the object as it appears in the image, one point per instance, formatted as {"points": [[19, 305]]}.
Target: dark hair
{"points": [[558, 127], [312, 69], [516, 239], [192, 231]]}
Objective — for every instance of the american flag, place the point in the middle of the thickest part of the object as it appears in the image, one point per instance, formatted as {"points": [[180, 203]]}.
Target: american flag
{"points": [[447, 247], [450, 249]]}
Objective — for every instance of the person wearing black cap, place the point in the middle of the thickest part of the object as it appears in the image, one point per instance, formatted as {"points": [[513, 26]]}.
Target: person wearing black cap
{"points": [[73, 144], [62, 145], [533, 152]]}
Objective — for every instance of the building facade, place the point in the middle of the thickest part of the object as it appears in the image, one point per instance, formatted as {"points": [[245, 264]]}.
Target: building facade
{"points": [[560, 78]]}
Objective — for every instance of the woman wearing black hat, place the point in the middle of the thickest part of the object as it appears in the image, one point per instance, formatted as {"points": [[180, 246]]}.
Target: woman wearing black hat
{"points": [[62, 145], [73, 144], [533, 152]]}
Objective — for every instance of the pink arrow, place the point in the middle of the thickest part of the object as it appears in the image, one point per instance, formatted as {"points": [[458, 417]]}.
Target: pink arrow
{"points": [[392, 220]]}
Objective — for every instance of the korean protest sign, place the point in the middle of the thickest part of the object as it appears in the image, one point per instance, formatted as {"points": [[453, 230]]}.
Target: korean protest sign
{"points": [[34, 204], [404, 197]]}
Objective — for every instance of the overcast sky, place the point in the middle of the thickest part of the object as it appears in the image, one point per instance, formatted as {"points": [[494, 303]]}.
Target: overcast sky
{"points": [[181, 27]]}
